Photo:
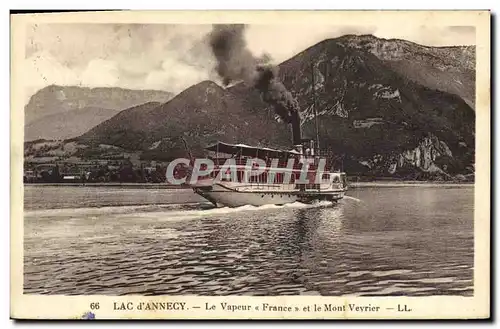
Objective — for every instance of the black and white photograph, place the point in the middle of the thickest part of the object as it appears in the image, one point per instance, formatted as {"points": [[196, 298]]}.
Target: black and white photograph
{"points": [[250, 159]]}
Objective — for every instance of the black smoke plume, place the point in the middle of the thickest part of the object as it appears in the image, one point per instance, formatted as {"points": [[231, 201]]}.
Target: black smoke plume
{"points": [[235, 62]]}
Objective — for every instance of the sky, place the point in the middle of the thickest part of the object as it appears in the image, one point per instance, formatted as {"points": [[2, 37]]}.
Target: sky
{"points": [[174, 57]]}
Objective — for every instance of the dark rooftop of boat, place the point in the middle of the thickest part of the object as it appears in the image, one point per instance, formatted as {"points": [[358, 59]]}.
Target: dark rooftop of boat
{"points": [[247, 150]]}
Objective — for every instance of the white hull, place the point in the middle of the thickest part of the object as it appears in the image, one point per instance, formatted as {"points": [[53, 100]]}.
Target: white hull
{"points": [[231, 196]]}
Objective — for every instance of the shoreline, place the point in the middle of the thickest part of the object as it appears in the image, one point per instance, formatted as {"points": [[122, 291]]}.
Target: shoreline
{"points": [[375, 183], [120, 185], [409, 184]]}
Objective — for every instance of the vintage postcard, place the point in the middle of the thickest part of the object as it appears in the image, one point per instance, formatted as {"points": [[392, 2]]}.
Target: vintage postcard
{"points": [[250, 165]]}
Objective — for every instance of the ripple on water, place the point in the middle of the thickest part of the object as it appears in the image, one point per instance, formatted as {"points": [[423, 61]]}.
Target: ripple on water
{"points": [[390, 243]]}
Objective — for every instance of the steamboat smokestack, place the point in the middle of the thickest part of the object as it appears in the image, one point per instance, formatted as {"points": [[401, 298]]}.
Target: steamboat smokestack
{"points": [[296, 129]]}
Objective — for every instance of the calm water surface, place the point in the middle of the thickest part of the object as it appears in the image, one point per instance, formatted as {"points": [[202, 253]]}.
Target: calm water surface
{"points": [[377, 241]]}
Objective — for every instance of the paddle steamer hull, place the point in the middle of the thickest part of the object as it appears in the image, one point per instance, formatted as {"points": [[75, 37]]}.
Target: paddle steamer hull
{"points": [[230, 196]]}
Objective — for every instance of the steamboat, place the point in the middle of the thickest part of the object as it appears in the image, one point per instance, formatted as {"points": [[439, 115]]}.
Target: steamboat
{"points": [[278, 178]]}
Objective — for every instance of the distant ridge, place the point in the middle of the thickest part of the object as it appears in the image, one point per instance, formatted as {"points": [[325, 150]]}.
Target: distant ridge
{"points": [[61, 100]]}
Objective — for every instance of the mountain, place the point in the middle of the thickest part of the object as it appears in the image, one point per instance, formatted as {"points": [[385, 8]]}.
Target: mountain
{"points": [[449, 69], [201, 114], [388, 107], [62, 112], [67, 124], [59, 99], [383, 119]]}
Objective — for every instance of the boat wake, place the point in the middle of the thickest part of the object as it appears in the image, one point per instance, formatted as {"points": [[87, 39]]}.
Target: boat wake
{"points": [[352, 198], [160, 212], [114, 209], [203, 213]]}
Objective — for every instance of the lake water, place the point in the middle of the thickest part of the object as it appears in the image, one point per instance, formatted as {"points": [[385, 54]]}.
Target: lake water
{"points": [[377, 241]]}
